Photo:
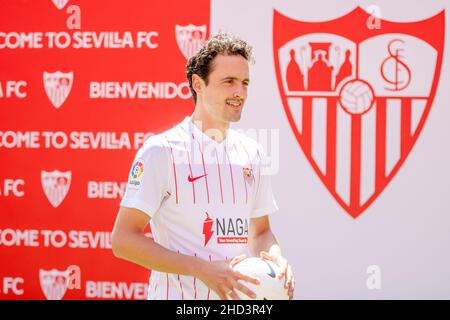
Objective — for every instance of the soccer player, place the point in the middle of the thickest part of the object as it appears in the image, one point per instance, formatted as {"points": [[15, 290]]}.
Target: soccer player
{"points": [[201, 188]]}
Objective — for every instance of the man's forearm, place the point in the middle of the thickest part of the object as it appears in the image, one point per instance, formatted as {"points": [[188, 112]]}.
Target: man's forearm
{"points": [[265, 241], [145, 252]]}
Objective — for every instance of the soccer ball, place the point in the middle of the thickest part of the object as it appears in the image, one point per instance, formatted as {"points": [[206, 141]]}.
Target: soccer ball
{"points": [[270, 287], [356, 97]]}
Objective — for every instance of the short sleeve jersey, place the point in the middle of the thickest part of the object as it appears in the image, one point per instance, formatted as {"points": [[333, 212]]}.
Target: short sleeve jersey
{"points": [[200, 195]]}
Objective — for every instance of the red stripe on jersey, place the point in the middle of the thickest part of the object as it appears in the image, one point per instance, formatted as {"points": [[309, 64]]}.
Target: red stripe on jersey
{"points": [[209, 290], [231, 175], [257, 152], [204, 169], [195, 286], [167, 283], [181, 286], [189, 161], [174, 170], [243, 178], [248, 155], [220, 178], [260, 164]]}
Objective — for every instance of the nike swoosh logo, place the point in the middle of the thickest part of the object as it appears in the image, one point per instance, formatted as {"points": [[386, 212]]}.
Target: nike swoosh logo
{"points": [[272, 272], [190, 179]]}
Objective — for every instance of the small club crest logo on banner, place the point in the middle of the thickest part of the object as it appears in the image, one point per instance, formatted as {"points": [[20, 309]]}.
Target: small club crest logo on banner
{"points": [[60, 3], [356, 97], [57, 86], [190, 38], [56, 185], [53, 283]]}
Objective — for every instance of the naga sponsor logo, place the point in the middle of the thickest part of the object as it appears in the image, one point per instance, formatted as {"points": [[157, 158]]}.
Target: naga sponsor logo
{"points": [[227, 230], [72, 140], [74, 239], [207, 228], [231, 230], [139, 90]]}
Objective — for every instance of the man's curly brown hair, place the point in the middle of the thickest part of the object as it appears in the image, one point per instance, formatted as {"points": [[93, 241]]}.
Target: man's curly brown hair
{"points": [[221, 43]]}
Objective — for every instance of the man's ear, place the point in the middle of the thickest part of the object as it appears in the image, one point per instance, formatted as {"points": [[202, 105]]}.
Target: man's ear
{"points": [[197, 83]]}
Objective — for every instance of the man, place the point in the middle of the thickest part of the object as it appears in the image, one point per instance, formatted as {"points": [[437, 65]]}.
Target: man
{"points": [[200, 186]]}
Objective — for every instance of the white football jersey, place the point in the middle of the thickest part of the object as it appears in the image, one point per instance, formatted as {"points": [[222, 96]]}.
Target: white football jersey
{"points": [[200, 195]]}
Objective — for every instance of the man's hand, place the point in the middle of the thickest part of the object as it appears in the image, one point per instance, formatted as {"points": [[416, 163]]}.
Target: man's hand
{"points": [[220, 277], [286, 271]]}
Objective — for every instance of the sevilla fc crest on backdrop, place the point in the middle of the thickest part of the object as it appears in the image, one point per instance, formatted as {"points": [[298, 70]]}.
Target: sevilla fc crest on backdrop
{"points": [[57, 86], [357, 98], [190, 38], [56, 185], [53, 283]]}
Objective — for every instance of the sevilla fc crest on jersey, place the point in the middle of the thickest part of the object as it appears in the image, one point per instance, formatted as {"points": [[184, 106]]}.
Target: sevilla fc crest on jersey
{"points": [[57, 86], [53, 283], [190, 38], [357, 97], [56, 185]]}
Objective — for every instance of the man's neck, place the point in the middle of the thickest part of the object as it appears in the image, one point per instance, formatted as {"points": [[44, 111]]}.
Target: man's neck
{"points": [[210, 126]]}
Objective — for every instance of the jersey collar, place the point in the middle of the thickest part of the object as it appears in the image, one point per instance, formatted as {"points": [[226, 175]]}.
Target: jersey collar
{"points": [[199, 136]]}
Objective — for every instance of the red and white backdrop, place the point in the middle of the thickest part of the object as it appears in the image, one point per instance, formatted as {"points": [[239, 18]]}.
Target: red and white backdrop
{"points": [[350, 101], [76, 104]]}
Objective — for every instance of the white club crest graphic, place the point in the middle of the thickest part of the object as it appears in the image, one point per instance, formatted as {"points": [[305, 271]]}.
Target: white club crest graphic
{"points": [[190, 38], [357, 99], [60, 3], [57, 86], [56, 185], [53, 283]]}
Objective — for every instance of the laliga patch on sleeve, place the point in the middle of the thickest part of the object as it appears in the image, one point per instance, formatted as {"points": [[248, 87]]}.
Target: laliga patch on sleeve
{"points": [[136, 174]]}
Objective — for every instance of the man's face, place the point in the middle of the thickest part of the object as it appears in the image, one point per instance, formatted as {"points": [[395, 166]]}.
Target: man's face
{"points": [[226, 92]]}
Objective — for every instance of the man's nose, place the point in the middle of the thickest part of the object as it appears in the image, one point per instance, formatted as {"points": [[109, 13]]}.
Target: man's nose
{"points": [[241, 92]]}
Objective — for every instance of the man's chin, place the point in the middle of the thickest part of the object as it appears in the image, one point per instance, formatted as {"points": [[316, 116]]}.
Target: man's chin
{"points": [[234, 117], [237, 118]]}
